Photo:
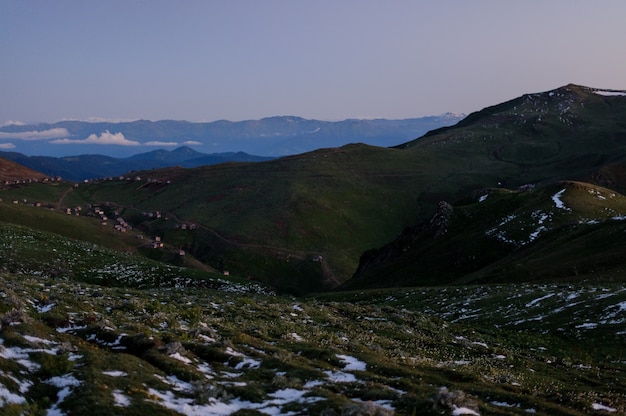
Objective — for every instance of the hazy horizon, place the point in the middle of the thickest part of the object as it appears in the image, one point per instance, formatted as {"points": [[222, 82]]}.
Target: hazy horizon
{"points": [[115, 121]]}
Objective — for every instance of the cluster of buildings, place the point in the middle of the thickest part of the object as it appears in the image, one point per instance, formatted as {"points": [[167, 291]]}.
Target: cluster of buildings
{"points": [[130, 179], [120, 224], [31, 180], [73, 211]]}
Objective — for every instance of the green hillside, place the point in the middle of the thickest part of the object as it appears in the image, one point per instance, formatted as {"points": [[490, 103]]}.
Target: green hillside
{"points": [[297, 222], [301, 223], [573, 132]]}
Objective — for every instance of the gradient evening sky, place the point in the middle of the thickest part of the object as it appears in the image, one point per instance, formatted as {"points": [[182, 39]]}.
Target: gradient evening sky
{"points": [[328, 60]]}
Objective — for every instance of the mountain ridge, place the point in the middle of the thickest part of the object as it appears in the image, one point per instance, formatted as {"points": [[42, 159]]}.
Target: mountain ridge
{"points": [[270, 136], [87, 167]]}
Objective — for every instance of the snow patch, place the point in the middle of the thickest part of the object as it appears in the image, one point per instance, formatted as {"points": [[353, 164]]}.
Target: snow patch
{"points": [[464, 411], [45, 308], [504, 404], [181, 358], [534, 302], [557, 200], [609, 93], [248, 363], [598, 406], [37, 340], [340, 377], [115, 373], [6, 397], [587, 325], [65, 383], [351, 363], [120, 399]]}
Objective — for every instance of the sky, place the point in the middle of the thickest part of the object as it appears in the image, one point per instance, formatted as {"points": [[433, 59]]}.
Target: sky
{"points": [[327, 60]]}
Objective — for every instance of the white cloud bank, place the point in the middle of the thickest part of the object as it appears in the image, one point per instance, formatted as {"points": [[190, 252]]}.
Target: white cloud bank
{"points": [[105, 137], [36, 135], [161, 144], [61, 136]]}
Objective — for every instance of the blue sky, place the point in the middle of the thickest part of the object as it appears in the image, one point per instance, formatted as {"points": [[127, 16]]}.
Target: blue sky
{"points": [[328, 60]]}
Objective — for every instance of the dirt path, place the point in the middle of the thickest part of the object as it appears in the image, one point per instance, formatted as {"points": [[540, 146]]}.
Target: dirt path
{"points": [[60, 201]]}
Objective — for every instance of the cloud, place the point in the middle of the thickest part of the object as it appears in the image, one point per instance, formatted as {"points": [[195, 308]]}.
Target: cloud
{"points": [[7, 146], [12, 123], [100, 120], [192, 143], [161, 144], [104, 138], [36, 135]]}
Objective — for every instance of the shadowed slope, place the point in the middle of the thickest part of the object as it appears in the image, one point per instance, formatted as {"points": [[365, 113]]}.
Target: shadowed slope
{"points": [[567, 230], [11, 171]]}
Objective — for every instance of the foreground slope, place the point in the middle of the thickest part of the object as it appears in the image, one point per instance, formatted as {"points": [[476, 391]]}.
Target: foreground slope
{"points": [[302, 222], [87, 328], [77, 348]]}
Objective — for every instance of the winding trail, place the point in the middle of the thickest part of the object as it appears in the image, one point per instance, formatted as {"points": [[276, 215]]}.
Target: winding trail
{"points": [[62, 199]]}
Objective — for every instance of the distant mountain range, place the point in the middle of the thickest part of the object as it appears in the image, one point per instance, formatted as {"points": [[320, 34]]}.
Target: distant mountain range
{"points": [[272, 136], [81, 167]]}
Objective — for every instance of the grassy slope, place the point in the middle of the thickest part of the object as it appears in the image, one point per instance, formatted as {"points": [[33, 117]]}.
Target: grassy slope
{"points": [[513, 349], [272, 218], [79, 228], [331, 203], [11, 171], [275, 221], [564, 134], [123, 334], [510, 237]]}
